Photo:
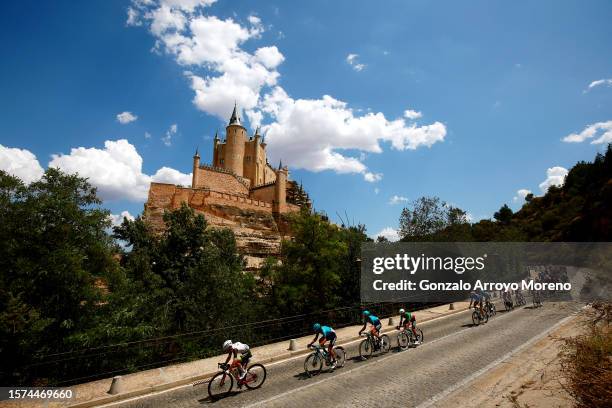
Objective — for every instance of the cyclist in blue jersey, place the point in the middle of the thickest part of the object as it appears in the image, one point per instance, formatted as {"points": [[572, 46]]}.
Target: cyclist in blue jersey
{"points": [[374, 321], [327, 334], [486, 298], [476, 300]]}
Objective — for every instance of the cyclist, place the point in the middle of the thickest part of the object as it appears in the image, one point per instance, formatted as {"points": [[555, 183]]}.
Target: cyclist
{"points": [[508, 300], [374, 321], [407, 319], [519, 296], [476, 300], [486, 298], [327, 334], [240, 360]]}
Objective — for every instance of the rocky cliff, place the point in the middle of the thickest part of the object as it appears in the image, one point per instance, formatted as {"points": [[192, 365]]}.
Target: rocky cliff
{"points": [[258, 234]]}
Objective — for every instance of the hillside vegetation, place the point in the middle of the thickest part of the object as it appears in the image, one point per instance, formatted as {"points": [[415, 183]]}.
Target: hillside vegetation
{"points": [[578, 211]]}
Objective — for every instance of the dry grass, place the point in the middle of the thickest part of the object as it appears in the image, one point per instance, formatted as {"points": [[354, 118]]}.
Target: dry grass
{"points": [[586, 360]]}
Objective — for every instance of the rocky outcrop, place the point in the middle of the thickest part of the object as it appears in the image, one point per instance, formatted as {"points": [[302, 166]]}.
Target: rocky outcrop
{"points": [[256, 228]]}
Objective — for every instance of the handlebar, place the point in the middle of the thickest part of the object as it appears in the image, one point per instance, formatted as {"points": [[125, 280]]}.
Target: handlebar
{"points": [[223, 366]]}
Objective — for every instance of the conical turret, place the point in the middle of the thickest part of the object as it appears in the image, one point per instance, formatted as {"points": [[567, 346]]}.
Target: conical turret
{"points": [[235, 118]]}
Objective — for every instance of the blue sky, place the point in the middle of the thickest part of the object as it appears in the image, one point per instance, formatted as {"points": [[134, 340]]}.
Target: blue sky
{"points": [[494, 88]]}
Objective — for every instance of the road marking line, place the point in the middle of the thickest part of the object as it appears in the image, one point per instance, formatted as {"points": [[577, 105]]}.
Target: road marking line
{"points": [[110, 404], [436, 398], [343, 373]]}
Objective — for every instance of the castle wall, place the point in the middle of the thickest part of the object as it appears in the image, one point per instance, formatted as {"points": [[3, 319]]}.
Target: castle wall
{"points": [[264, 193], [224, 182], [252, 221], [269, 173]]}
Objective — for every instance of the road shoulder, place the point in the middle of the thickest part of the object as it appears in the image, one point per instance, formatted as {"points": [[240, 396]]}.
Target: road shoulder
{"points": [[530, 378]]}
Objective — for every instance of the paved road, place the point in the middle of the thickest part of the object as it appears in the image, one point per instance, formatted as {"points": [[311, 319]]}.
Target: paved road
{"points": [[452, 351]]}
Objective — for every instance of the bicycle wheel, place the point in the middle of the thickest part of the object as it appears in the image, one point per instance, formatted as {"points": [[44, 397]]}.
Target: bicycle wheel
{"points": [[313, 364], [385, 343], [485, 317], [402, 340], [220, 385], [475, 318], [420, 336], [340, 356], [493, 310], [365, 348], [255, 377]]}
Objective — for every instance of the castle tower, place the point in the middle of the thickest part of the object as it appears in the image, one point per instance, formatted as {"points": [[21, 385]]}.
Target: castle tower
{"points": [[196, 167], [236, 136], [280, 189]]}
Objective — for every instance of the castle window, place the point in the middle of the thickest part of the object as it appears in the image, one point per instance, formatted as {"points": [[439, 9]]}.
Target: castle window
{"points": [[222, 161], [248, 158]]}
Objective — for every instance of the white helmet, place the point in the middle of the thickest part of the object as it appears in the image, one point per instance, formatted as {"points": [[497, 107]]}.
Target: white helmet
{"points": [[227, 345], [402, 311]]}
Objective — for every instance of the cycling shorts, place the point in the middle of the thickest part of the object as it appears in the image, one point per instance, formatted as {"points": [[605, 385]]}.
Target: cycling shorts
{"points": [[244, 358], [331, 338]]}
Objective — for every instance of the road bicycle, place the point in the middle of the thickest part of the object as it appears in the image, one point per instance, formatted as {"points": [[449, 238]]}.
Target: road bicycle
{"points": [[520, 299], [371, 344], [508, 304], [479, 317], [490, 309], [406, 338], [222, 383], [314, 361]]}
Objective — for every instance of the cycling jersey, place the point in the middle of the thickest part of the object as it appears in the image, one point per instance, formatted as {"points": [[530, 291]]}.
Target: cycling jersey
{"points": [[486, 295], [327, 332], [374, 321], [241, 348], [475, 297], [407, 317]]}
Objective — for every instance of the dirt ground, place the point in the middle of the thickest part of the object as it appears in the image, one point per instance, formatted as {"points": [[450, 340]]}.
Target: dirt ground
{"points": [[529, 379]]}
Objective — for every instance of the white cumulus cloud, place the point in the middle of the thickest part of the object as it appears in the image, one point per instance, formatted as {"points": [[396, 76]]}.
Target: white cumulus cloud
{"points": [[390, 233], [555, 176], [117, 219], [397, 200], [521, 194], [115, 170], [372, 177], [167, 138], [601, 131], [20, 163], [313, 134], [126, 117], [172, 176], [599, 82], [353, 61], [412, 114]]}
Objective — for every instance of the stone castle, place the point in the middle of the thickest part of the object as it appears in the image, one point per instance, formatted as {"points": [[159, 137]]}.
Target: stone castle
{"points": [[239, 190]]}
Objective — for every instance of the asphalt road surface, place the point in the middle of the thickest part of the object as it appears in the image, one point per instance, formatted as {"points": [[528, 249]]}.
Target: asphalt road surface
{"points": [[453, 351]]}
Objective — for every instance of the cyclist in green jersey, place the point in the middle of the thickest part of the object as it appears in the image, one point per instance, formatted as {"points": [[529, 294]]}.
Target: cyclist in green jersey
{"points": [[407, 319]]}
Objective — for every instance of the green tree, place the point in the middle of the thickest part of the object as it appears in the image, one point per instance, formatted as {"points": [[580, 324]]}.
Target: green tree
{"points": [[504, 215], [310, 269], [54, 251]]}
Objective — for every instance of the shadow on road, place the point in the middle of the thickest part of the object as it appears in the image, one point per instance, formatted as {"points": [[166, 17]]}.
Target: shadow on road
{"points": [[209, 400]]}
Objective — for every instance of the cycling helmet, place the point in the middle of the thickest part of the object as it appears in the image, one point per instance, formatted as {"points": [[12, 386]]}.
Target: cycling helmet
{"points": [[316, 327], [227, 345], [402, 311], [366, 313]]}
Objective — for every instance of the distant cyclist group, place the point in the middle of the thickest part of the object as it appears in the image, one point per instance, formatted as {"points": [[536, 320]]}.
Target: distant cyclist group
{"points": [[326, 352]]}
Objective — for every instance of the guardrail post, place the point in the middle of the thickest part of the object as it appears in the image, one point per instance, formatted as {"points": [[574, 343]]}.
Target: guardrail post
{"points": [[451, 306], [292, 345], [391, 322], [116, 386]]}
